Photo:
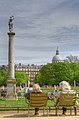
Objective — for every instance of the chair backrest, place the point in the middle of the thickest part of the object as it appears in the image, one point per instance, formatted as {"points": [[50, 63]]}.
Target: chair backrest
{"points": [[67, 99], [38, 99]]}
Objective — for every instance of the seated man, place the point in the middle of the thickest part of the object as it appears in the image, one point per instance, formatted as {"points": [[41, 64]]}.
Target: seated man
{"points": [[36, 89]]}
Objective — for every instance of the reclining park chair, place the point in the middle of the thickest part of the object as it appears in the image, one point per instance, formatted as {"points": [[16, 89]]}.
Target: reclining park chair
{"points": [[38, 100], [68, 100]]}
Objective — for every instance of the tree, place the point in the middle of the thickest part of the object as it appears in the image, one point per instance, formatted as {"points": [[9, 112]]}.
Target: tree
{"points": [[62, 72], [3, 75], [75, 71], [53, 73], [21, 78]]}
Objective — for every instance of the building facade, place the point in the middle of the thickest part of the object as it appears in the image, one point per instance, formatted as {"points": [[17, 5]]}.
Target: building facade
{"points": [[30, 70]]}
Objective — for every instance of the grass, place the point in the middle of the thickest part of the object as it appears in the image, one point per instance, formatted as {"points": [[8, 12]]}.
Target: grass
{"points": [[21, 101]]}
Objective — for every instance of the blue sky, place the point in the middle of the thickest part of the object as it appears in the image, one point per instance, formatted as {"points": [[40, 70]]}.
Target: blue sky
{"points": [[40, 26]]}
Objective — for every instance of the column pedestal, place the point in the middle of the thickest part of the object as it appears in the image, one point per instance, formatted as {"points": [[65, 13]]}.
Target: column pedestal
{"points": [[11, 90]]}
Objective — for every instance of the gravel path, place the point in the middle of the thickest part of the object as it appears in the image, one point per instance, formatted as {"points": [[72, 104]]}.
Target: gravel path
{"points": [[23, 116]]}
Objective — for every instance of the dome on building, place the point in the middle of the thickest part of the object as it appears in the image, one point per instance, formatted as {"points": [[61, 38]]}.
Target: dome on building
{"points": [[57, 57]]}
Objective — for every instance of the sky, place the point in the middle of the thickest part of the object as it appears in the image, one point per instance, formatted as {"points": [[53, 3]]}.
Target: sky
{"points": [[40, 26]]}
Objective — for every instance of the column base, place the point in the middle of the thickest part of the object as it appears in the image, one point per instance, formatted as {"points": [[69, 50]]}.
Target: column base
{"points": [[11, 90]]}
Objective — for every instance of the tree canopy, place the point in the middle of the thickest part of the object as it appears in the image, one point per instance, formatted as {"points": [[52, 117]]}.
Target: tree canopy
{"points": [[3, 75], [21, 78], [53, 73]]}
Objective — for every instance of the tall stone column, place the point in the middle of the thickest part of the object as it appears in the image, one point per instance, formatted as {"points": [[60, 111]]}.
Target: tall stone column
{"points": [[11, 82], [11, 56]]}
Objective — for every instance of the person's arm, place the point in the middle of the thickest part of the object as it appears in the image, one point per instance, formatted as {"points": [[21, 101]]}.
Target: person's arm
{"points": [[57, 102], [58, 98]]}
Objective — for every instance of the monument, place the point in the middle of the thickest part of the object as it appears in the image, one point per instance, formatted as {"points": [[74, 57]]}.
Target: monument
{"points": [[11, 82]]}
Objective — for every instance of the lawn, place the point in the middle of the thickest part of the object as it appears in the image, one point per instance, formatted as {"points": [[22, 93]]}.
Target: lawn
{"points": [[21, 101]]}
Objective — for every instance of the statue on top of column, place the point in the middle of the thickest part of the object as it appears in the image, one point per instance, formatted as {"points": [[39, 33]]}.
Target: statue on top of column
{"points": [[11, 23]]}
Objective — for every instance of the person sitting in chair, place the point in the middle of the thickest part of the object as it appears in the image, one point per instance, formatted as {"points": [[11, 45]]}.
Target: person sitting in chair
{"points": [[65, 87], [36, 89]]}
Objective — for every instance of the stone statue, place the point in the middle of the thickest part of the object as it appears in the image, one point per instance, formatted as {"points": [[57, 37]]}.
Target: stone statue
{"points": [[11, 23]]}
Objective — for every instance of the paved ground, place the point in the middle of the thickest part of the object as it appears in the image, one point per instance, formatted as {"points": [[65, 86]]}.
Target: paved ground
{"points": [[22, 115]]}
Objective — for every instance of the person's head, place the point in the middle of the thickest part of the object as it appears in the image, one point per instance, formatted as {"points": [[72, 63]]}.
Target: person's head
{"points": [[36, 88], [64, 85]]}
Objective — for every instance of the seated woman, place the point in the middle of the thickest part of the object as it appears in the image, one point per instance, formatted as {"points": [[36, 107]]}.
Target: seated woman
{"points": [[63, 87]]}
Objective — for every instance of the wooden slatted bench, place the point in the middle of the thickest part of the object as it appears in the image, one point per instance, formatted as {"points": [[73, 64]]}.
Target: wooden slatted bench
{"points": [[13, 107]]}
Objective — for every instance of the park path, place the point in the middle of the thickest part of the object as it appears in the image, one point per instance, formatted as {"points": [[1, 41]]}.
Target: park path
{"points": [[12, 115]]}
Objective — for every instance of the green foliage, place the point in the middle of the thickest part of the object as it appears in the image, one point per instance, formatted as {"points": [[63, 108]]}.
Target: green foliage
{"points": [[3, 75], [62, 72], [75, 71], [21, 78], [53, 73]]}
